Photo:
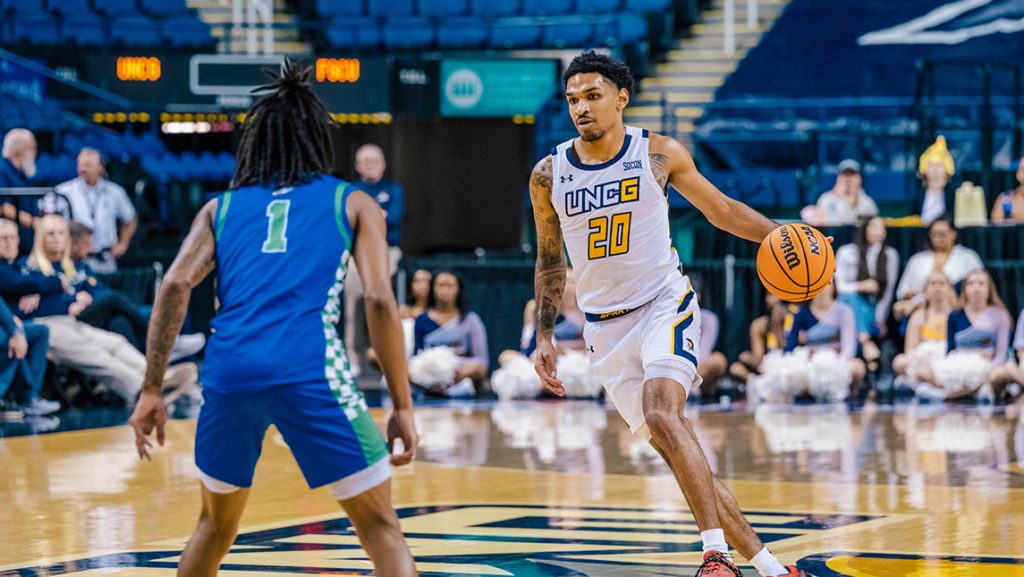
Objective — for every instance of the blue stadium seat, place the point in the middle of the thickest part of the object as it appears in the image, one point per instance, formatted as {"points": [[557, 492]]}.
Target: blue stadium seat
{"points": [[408, 33], [187, 31], [462, 33], [351, 33], [648, 5], [566, 34], [135, 31], [443, 7], [598, 6], [69, 7], [332, 8], [26, 7], [492, 8], [547, 7], [164, 7], [389, 8], [85, 30], [631, 29], [35, 29], [515, 33], [117, 7]]}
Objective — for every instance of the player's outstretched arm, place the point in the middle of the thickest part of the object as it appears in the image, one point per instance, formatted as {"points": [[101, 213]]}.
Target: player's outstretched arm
{"points": [[195, 260], [549, 274], [382, 318], [672, 164]]}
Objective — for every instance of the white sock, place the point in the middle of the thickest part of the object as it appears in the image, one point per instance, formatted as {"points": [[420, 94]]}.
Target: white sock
{"points": [[714, 540], [767, 565]]}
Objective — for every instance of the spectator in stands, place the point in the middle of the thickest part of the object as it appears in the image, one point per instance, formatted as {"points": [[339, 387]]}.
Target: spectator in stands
{"points": [[845, 204], [104, 207], [97, 353], [926, 329], [935, 200], [943, 254], [17, 169], [977, 340], [419, 292], [767, 334], [65, 246], [370, 166], [1009, 206], [865, 277], [449, 323], [26, 347]]}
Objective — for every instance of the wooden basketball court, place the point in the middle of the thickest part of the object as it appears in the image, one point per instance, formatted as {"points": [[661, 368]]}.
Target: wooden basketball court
{"points": [[552, 488]]}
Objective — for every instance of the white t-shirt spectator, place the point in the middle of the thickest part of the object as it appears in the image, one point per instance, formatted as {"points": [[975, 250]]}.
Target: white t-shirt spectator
{"points": [[838, 212], [960, 262], [99, 207]]}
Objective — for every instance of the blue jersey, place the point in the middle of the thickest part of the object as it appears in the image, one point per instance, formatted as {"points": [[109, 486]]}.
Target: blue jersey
{"points": [[281, 259]]}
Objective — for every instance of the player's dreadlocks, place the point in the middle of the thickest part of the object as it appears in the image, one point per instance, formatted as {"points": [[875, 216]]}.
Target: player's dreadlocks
{"points": [[608, 67], [285, 136]]}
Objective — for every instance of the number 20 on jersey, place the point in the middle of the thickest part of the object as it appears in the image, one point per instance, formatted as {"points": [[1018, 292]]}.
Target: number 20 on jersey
{"points": [[609, 235]]}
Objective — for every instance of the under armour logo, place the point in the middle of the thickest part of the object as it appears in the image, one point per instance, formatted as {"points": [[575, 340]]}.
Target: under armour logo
{"points": [[591, 349], [565, 179]]}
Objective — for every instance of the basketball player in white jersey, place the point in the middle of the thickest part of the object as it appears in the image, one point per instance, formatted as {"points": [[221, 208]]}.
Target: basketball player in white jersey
{"points": [[604, 196]]}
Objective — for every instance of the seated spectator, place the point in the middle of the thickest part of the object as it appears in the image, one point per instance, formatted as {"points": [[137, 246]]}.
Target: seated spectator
{"points": [[1009, 206], [866, 281], [926, 329], [419, 291], [61, 246], [819, 358], [97, 353], [845, 204], [767, 334], [25, 358], [935, 200], [977, 340], [943, 254], [17, 169], [449, 325]]}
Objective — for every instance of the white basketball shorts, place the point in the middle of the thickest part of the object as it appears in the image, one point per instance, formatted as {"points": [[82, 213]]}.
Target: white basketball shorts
{"points": [[657, 340]]}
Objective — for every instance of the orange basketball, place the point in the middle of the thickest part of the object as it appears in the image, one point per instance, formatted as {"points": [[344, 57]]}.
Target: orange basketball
{"points": [[795, 262]]}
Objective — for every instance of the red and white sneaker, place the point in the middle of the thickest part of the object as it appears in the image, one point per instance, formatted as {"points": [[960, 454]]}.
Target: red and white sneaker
{"points": [[716, 564], [794, 572]]}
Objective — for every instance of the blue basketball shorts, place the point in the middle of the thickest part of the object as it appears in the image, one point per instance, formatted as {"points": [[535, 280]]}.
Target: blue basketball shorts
{"points": [[333, 444]]}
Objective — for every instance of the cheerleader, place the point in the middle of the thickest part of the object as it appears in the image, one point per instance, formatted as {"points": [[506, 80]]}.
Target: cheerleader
{"points": [[819, 358], [926, 329], [516, 377], [977, 337], [767, 334]]}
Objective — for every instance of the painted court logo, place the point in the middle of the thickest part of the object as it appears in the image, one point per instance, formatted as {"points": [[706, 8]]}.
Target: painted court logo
{"points": [[524, 541]]}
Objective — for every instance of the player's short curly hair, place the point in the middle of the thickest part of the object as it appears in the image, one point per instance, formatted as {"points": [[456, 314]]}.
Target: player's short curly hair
{"points": [[610, 68]]}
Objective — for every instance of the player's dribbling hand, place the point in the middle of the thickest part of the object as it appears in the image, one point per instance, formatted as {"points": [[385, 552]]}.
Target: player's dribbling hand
{"points": [[149, 413], [545, 366], [402, 426]]}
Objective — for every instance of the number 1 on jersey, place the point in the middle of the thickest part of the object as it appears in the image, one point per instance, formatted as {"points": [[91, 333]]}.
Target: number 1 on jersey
{"points": [[609, 236], [277, 226]]}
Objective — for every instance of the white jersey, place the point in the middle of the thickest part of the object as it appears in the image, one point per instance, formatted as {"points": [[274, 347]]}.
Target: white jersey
{"points": [[614, 219]]}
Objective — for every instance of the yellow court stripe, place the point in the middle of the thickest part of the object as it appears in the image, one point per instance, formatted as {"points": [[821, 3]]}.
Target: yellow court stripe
{"points": [[885, 567]]}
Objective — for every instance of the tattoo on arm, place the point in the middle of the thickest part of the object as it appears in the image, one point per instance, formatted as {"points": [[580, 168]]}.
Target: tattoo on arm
{"points": [[195, 260], [659, 167], [549, 274]]}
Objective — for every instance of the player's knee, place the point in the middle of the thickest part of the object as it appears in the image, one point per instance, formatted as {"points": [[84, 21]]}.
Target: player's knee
{"points": [[662, 422]]}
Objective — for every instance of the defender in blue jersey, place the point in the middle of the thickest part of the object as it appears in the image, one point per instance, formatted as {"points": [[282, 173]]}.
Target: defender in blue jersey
{"points": [[280, 242]]}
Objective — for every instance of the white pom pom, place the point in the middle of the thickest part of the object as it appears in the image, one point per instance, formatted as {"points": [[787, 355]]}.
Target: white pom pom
{"points": [[432, 367], [516, 380], [924, 355], [829, 378], [783, 376], [577, 378], [960, 370]]}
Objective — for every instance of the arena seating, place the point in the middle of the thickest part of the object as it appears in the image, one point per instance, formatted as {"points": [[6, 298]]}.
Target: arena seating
{"points": [[478, 24], [134, 23]]}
